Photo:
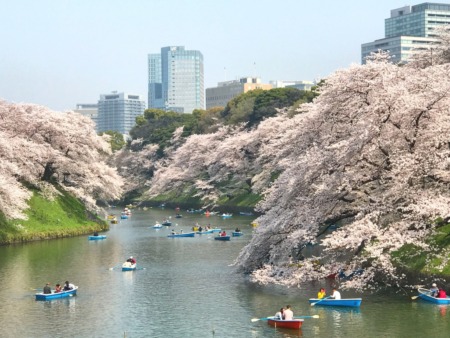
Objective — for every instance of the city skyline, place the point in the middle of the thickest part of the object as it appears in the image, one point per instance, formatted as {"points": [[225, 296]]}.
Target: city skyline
{"points": [[58, 54]]}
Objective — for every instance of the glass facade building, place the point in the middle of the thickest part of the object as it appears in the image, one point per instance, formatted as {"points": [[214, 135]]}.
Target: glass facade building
{"points": [[118, 112], [176, 80], [409, 27]]}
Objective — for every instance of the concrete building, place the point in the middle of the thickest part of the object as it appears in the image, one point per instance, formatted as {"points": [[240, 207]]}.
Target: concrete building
{"points": [[301, 85], [88, 109], [176, 80], [118, 111], [409, 27], [225, 91]]}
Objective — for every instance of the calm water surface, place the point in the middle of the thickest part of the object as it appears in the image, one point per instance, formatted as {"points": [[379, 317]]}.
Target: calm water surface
{"points": [[185, 288]]}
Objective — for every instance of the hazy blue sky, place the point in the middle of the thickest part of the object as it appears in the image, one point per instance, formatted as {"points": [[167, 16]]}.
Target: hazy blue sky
{"points": [[60, 52]]}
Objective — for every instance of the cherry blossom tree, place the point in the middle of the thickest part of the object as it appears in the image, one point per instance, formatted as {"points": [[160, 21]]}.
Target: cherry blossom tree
{"points": [[41, 148]]}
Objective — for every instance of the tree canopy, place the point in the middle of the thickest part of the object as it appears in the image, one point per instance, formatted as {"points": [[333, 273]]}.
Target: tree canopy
{"points": [[41, 148], [362, 173]]}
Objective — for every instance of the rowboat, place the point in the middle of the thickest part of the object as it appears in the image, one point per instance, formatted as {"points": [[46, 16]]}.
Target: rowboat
{"points": [[349, 302], [127, 266], [425, 295], [157, 226], [226, 215], [204, 232], [216, 230], [93, 238], [111, 217], [244, 213], [286, 324], [188, 234], [166, 223], [237, 233], [123, 216], [62, 294], [222, 238]]}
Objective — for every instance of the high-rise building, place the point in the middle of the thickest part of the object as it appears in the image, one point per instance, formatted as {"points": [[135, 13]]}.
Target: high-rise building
{"points": [[409, 27], [176, 80], [118, 111], [225, 91], [88, 109]]}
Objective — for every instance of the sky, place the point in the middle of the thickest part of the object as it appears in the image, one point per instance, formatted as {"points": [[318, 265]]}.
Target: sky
{"points": [[59, 53]]}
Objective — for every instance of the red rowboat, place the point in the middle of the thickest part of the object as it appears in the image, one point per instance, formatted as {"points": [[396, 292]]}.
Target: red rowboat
{"points": [[286, 324]]}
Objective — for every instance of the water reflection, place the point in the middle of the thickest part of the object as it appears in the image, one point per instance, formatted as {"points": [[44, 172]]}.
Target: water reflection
{"points": [[188, 289]]}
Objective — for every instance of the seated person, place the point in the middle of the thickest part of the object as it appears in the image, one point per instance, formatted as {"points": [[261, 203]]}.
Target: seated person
{"points": [[58, 288], [237, 230], [68, 286], [441, 294], [95, 233], [336, 294], [434, 290], [279, 314], [321, 294], [47, 289], [223, 234]]}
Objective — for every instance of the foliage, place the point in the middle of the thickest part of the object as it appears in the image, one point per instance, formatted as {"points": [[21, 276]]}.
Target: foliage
{"points": [[42, 148], [255, 105], [116, 139]]}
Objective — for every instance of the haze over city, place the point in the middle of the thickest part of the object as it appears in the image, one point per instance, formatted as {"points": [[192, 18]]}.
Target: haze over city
{"points": [[61, 53]]}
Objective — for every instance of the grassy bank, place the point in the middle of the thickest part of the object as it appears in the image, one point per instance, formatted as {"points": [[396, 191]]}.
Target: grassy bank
{"points": [[63, 217], [435, 262]]}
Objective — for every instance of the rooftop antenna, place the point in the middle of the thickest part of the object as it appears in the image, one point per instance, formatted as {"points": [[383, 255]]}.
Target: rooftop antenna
{"points": [[225, 73], [254, 70]]}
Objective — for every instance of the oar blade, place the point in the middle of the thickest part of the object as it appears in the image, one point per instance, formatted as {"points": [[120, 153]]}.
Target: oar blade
{"points": [[255, 319], [315, 316]]}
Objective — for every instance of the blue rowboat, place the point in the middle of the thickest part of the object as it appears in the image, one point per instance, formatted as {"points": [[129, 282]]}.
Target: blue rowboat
{"points": [[222, 238], [127, 266], [157, 226], [123, 216], [166, 223], [226, 215], [93, 238], [216, 230], [349, 302], [188, 234], [425, 295], [237, 233], [62, 294], [204, 232]]}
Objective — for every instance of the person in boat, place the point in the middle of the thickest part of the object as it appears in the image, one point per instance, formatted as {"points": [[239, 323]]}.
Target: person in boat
{"points": [[237, 230], [434, 290], [95, 233], [280, 314], [335, 294], [208, 227], [58, 288], [200, 228], [441, 294], [223, 234], [131, 260], [173, 232], [321, 294], [47, 289], [68, 286], [288, 314]]}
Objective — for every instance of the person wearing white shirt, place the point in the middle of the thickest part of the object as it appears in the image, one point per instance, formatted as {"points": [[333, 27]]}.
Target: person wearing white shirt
{"points": [[288, 314], [336, 294]]}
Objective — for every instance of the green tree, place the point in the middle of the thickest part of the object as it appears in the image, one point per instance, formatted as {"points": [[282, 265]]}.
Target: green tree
{"points": [[117, 141]]}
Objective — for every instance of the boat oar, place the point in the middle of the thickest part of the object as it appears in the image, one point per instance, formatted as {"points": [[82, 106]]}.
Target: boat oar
{"points": [[312, 304], [297, 317], [304, 317], [415, 297], [115, 266], [256, 319]]}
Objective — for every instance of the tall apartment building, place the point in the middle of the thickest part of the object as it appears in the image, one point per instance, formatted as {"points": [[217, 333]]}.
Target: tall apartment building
{"points": [[225, 91], [176, 80], [118, 111], [409, 27], [88, 109]]}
